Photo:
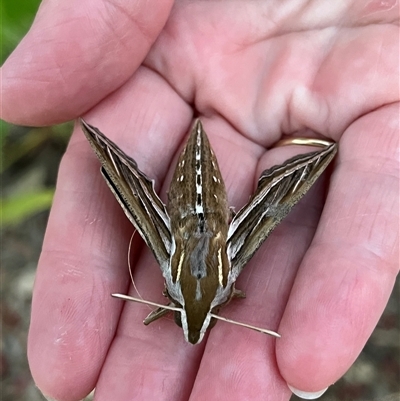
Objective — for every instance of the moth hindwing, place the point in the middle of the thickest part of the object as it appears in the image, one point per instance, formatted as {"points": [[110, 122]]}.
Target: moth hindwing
{"points": [[199, 251]]}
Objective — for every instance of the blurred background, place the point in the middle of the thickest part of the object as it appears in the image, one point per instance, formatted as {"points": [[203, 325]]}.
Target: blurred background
{"points": [[28, 166]]}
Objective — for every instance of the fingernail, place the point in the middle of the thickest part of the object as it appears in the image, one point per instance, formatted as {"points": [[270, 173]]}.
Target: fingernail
{"points": [[306, 395], [53, 399], [49, 398]]}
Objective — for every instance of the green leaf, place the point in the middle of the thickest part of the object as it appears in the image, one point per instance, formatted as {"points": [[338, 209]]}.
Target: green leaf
{"points": [[16, 17], [16, 209], [12, 151]]}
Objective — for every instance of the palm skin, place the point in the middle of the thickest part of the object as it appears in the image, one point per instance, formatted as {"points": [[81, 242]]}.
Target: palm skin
{"points": [[253, 71]]}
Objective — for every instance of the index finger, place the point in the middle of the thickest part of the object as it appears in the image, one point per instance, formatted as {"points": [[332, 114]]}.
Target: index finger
{"points": [[75, 54]]}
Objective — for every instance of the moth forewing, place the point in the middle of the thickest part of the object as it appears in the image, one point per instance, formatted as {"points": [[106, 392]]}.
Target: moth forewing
{"points": [[279, 189], [134, 192]]}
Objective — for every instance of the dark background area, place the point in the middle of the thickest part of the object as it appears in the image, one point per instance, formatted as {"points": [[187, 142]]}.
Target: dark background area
{"points": [[29, 164]]}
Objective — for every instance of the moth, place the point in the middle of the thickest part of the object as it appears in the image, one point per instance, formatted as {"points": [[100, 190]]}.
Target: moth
{"points": [[200, 245]]}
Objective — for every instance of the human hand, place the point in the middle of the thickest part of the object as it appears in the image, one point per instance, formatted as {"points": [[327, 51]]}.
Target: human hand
{"points": [[254, 72]]}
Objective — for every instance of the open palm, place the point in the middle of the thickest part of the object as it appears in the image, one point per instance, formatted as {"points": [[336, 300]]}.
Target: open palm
{"points": [[253, 71]]}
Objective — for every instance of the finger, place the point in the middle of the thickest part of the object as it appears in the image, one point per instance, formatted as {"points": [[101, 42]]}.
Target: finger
{"points": [[348, 273], [73, 320], [75, 54], [84, 256]]}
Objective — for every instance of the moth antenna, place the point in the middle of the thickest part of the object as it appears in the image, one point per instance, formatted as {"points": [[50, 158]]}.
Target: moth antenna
{"points": [[143, 301], [130, 267], [249, 326], [176, 309]]}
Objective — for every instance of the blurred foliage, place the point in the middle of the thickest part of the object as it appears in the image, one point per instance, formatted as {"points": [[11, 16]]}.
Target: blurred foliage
{"points": [[17, 146], [26, 188], [28, 168], [18, 208], [16, 17]]}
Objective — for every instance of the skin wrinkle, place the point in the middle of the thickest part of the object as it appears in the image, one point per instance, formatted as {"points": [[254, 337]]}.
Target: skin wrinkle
{"points": [[57, 24], [292, 109], [368, 166], [69, 259], [353, 247], [378, 60], [120, 13], [113, 28], [322, 60], [357, 285], [371, 232], [189, 380]]}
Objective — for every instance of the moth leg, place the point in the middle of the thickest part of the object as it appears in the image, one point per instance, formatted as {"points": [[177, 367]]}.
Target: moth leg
{"points": [[238, 293], [156, 314], [232, 213]]}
